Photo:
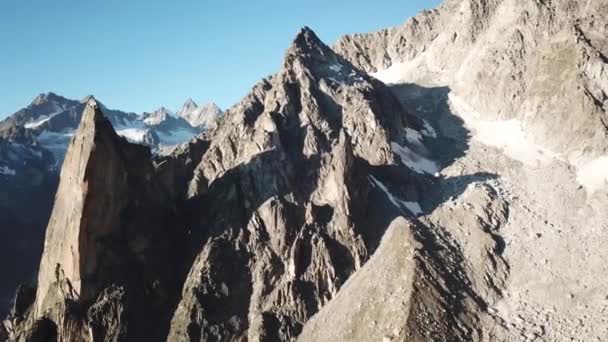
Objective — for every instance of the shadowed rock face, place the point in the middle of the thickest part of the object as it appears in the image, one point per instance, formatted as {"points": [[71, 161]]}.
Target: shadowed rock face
{"points": [[111, 240], [252, 228], [33, 144], [281, 198]]}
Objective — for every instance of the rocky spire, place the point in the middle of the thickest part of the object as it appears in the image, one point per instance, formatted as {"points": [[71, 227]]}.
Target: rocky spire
{"points": [[107, 223], [188, 107]]}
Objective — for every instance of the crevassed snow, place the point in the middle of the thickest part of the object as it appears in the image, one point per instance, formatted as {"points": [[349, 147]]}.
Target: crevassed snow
{"points": [[414, 161], [45, 118], [593, 175], [506, 135], [413, 207], [5, 170]]}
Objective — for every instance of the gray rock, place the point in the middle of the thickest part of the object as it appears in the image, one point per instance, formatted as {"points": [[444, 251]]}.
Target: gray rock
{"points": [[204, 116], [542, 63]]}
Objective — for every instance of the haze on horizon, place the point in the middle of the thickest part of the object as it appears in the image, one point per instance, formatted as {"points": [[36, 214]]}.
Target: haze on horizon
{"points": [[138, 56]]}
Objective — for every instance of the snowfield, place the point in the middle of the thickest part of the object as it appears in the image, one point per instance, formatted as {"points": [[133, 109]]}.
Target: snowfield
{"points": [[413, 207], [415, 161], [508, 136], [135, 135], [594, 175]]}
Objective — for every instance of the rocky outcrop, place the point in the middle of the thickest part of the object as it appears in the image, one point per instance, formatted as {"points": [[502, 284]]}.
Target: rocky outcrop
{"points": [[375, 302], [430, 280], [508, 60]]}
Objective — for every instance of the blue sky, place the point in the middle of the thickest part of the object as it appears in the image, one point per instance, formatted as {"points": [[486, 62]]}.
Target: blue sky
{"points": [[137, 55]]}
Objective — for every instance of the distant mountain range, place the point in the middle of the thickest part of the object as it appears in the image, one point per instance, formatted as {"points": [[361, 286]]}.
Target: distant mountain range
{"points": [[50, 120]]}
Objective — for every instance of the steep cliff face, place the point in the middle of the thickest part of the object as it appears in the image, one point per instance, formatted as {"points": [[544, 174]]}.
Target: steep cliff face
{"points": [[109, 260], [537, 62]]}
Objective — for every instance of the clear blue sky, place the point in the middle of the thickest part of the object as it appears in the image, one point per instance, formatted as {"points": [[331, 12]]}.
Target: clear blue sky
{"points": [[137, 55]]}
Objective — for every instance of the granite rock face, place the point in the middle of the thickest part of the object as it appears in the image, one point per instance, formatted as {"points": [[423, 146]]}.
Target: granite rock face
{"points": [[33, 144], [537, 62], [110, 262]]}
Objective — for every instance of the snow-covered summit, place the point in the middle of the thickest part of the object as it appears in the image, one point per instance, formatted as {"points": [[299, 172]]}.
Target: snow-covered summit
{"points": [[203, 116]]}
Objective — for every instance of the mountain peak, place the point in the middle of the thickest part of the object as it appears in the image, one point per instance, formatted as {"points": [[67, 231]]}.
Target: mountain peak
{"points": [[45, 97], [92, 113], [87, 98], [188, 107], [92, 102], [307, 42], [190, 102], [200, 116]]}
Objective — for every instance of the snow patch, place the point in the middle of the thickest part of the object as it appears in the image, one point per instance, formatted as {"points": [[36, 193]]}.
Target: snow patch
{"points": [[507, 135], [393, 74], [44, 118], [413, 136], [413, 207], [593, 175], [414, 161], [135, 135], [5, 170], [428, 130], [336, 67]]}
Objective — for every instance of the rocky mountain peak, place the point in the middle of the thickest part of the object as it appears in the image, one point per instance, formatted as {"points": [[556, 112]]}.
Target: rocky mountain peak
{"points": [[46, 97], [188, 107], [87, 98], [157, 117], [307, 45], [92, 103], [203, 116], [190, 103]]}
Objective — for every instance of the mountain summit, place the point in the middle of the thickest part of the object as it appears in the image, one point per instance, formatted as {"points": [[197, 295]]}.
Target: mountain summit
{"points": [[203, 117]]}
